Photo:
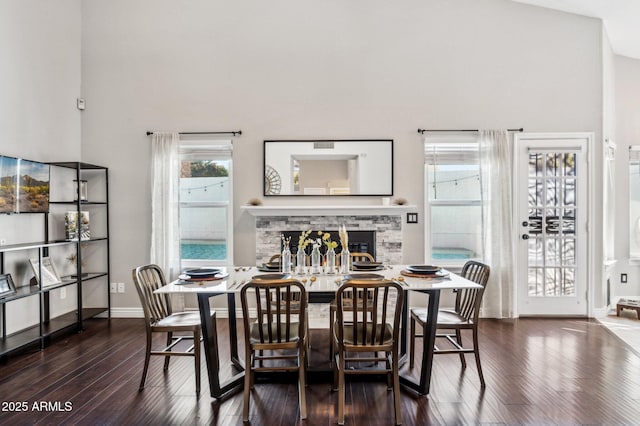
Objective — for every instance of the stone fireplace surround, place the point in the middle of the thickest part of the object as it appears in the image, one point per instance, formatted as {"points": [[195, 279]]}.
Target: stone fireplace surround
{"points": [[387, 228], [385, 221]]}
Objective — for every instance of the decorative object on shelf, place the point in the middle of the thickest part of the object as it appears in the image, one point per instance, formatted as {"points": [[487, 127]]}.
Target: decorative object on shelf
{"points": [[272, 181], [345, 256], [73, 259], [285, 258], [7, 288], [254, 202], [82, 190], [49, 274], [400, 201], [77, 227]]}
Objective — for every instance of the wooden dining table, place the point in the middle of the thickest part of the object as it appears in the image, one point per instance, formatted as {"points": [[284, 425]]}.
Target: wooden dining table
{"points": [[320, 289]]}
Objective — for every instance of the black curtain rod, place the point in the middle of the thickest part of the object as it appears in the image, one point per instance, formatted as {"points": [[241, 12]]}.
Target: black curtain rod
{"points": [[422, 131], [232, 132]]}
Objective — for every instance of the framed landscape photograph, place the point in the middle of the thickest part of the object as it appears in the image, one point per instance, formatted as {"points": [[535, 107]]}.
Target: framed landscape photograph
{"points": [[7, 288], [49, 274]]}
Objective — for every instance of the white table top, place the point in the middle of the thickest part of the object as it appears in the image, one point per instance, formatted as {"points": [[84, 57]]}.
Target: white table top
{"points": [[323, 283]]}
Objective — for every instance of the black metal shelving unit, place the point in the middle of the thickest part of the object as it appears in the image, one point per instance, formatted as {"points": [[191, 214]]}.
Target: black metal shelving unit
{"points": [[48, 326]]}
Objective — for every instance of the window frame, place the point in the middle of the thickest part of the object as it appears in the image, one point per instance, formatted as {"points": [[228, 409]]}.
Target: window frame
{"points": [[209, 149], [462, 140]]}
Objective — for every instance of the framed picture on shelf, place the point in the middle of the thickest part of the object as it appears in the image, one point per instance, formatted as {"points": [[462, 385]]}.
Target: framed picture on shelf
{"points": [[49, 274], [7, 288], [77, 226]]}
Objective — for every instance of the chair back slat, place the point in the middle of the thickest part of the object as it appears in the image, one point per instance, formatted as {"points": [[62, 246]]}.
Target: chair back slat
{"points": [[147, 279], [366, 307], [468, 301], [275, 321]]}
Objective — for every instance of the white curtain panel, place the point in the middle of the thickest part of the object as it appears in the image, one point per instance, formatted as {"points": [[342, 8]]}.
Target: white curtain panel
{"points": [[496, 171], [165, 224]]}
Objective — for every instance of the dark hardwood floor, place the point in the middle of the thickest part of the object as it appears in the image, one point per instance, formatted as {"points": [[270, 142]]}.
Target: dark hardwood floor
{"points": [[538, 371]]}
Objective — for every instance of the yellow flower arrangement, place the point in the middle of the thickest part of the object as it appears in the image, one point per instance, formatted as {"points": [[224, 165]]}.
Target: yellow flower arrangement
{"points": [[326, 239], [303, 240]]}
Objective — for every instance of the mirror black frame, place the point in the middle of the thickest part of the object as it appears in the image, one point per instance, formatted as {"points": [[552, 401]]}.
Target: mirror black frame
{"points": [[270, 179]]}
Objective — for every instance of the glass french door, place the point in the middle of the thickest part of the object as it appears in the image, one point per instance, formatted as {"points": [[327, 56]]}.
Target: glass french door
{"points": [[552, 213]]}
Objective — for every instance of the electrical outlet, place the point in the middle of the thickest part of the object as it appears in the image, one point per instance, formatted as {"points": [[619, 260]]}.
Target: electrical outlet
{"points": [[623, 278], [3, 241], [120, 287], [113, 287], [63, 293]]}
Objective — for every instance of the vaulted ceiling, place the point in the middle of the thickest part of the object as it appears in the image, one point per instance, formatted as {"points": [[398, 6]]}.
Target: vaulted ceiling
{"points": [[620, 19]]}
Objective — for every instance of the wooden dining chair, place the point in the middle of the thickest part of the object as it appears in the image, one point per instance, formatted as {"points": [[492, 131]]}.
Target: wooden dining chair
{"points": [[159, 318], [464, 316], [366, 334], [361, 257], [276, 339], [355, 257]]}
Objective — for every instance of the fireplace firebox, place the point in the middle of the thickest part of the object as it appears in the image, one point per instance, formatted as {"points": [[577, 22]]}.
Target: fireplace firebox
{"points": [[359, 241]]}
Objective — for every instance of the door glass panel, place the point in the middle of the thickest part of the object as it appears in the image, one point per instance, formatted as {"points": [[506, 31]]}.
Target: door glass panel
{"points": [[552, 188]]}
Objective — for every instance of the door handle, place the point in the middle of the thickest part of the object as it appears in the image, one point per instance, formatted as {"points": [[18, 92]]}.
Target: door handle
{"points": [[525, 236]]}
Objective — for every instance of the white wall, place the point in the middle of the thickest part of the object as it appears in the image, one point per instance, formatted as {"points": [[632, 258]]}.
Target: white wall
{"points": [[40, 79], [39, 83], [627, 94], [286, 69]]}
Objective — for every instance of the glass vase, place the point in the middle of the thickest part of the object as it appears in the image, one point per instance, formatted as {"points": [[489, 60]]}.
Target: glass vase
{"points": [[345, 260], [315, 260], [301, 261], [285, 260], [330, 264]]}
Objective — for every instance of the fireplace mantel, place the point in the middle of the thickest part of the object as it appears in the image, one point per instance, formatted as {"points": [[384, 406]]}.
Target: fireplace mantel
{"points": [[364, 210]]}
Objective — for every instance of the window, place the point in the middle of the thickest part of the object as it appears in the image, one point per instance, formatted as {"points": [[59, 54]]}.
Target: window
{"points": [[453, 198], [206, 203]]}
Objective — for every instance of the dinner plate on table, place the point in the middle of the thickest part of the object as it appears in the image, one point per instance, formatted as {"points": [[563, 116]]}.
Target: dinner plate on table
{"points": [[269, 267], [201, 272], [367, 266], [188, 279], [271, 276], [424, 269], [363, 276]]}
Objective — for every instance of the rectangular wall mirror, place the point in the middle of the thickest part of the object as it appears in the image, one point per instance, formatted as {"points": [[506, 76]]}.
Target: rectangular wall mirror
{"points": [[328, 167]]}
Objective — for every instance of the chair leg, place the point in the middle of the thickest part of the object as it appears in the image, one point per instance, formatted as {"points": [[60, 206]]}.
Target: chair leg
{"points": [[412, 341], [459, 340], [247, 384], [167, 357], [332, 314], [302, 381], [147, 356], [196, 355], [476, 352], [389, 366], [341, 390], [396, 388]]}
